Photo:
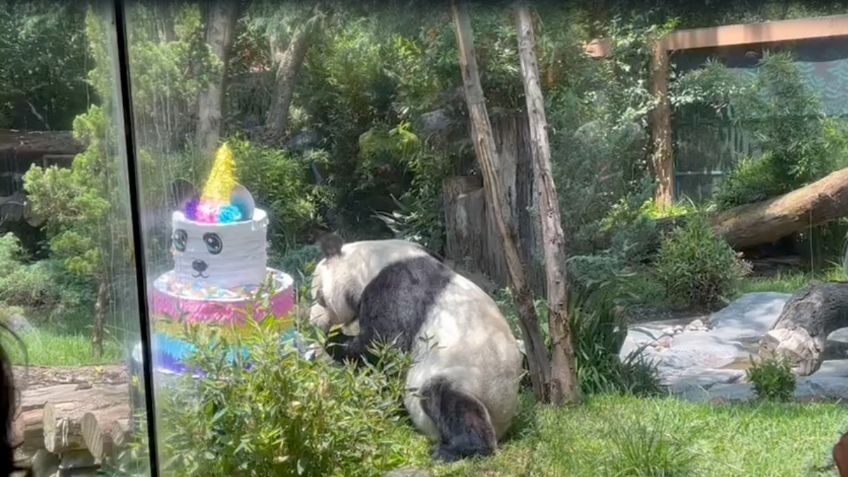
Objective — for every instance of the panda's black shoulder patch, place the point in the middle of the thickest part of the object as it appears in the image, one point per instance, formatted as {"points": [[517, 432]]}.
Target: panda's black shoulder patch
{"points": [[396, 303]]}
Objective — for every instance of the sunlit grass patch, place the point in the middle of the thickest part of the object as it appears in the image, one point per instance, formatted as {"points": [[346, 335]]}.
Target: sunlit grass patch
{"points": [[44, 348], [617, 436]]}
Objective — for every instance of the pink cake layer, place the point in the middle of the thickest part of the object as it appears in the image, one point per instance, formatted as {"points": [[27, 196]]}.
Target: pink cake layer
{"points": [[216, 305]]}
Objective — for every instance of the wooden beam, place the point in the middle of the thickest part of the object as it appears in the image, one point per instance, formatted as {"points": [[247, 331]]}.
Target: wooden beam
{"points": [[662, 159], [753, 33]]}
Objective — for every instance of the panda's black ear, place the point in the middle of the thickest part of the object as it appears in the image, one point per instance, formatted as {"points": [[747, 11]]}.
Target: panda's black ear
{"points": [[331, 245]]}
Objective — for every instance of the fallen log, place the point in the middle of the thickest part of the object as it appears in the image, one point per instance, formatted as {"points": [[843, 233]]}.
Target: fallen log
{"points": [[763, 222], [105, 431], [29, 431], [801, 330], [63, 414]]}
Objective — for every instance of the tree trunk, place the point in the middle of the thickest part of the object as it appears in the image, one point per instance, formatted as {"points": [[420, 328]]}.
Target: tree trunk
{"points": [[484, 148], [220, 32], [100, 317], [764, 222], [288, 63], [564, 386], [660, 118]]}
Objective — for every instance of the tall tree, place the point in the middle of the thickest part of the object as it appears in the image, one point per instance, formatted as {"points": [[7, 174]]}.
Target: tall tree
{"points": [[288, 58], [484, 148], [220, 25], [564, 385]]}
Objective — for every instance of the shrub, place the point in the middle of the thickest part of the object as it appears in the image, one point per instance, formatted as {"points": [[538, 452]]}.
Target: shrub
{"points": [[284, 415], [599, 331], [696, 266], [772, 378], [41, 286], [279, 185], [752, 180]]}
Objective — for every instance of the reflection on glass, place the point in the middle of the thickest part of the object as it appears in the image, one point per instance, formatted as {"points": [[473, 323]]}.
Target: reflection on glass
{"points": [[664, 143], [67, 286]]}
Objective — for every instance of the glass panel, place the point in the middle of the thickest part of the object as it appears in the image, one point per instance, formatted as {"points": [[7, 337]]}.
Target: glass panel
{"points": [[68, 286], [663, 211]]}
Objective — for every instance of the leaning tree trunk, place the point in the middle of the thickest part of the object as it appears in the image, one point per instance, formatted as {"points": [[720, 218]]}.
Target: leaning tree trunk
{"points": [[100, 307], [220, 32], [288, 63], [764, 222], [564, 386], [484, 147]]}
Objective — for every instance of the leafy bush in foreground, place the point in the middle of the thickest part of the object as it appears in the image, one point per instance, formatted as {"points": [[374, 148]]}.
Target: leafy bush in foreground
{"points": [[772, 379], [284, 415]]}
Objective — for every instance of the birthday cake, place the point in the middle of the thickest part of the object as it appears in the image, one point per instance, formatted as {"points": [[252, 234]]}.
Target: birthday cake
{"points": [[220, 275]]}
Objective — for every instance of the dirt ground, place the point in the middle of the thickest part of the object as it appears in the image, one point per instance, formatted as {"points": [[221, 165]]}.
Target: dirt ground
{"points": [[40, 376]]}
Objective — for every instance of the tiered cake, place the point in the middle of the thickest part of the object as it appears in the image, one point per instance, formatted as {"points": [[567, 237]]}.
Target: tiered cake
{"points": [[218, 241]]}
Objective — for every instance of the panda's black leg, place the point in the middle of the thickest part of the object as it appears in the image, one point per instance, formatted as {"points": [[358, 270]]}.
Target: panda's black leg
{"points": [[461, 420], [352, 348]]}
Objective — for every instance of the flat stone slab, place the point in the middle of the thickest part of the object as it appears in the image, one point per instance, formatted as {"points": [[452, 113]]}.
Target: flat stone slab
{"points": [[749, 317]]}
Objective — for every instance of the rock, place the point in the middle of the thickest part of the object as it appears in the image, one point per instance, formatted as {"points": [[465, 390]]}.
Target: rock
{"points": [[434, 122], [794, 344], [664, 342], [821, 387], [837, 368], [669, 330], [678, 329], [734, 392], [705, 379], [696, 325], [737, 392], [749, 317]]}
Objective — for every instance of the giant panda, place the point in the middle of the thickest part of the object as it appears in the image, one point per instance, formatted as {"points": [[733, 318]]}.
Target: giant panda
{"points": [[463, 385]]}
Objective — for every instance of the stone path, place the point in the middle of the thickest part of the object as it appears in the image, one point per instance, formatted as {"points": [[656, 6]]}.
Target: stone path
{"points": [[706, 361]]}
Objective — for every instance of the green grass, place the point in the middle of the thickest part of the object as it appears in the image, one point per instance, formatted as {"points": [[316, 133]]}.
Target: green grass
{"points": [[792, 281], [618, 436], [44, 348]]}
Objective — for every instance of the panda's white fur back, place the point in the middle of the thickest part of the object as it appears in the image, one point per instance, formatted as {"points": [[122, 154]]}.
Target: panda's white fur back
{"points": [[466, 339], [463, 338]]}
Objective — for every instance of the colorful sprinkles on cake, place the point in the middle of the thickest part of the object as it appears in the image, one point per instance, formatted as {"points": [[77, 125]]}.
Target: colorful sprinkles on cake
{"points": [[214, 205]]}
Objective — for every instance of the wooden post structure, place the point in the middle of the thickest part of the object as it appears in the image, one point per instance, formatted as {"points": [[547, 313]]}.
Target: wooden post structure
{"points": [[486, 152], [662, 158], [564, 385]]}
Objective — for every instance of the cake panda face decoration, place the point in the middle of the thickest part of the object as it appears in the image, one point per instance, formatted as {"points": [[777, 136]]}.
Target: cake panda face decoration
{"points": [[213, 243], [218, 237]]}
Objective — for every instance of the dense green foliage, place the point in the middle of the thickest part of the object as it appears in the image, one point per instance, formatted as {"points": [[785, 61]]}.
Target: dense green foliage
{"points": [[785, 117], [279, 185], [696, 266], [284, 415], [772, 378], [599, 330], [45, 60], [42, 289]]}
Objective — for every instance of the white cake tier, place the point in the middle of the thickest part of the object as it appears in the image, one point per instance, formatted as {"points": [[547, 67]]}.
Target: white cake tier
{"points": [[220, 255]]}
